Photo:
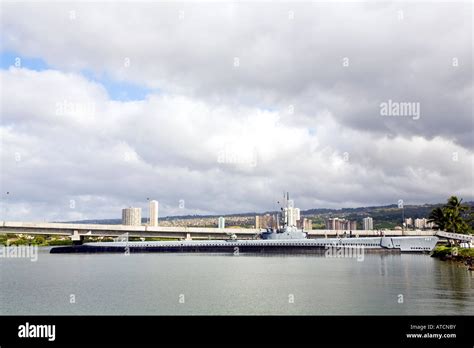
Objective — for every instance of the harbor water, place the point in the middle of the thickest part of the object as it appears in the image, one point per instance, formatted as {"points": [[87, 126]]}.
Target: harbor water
{"points": [[223, 284]]}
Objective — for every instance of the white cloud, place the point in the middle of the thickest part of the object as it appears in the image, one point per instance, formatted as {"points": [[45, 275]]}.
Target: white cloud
{"points": [[168, 147], [225, 138]]}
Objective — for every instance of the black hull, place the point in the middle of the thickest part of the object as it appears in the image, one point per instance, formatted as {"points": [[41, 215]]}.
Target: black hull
{"points": [[87, 249]]}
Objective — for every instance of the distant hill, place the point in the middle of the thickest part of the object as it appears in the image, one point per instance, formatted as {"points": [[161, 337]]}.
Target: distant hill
{"points": [[386, 216]]}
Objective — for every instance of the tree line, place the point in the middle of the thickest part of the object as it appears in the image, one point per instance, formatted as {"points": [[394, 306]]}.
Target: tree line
{"points": [[454, 216]]}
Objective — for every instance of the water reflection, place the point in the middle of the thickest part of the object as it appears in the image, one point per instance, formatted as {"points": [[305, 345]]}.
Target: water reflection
{"points": [[229, 284]]}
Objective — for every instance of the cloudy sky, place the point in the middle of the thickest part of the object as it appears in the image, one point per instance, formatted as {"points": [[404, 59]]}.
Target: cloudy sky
{"points": [[219, 108]]}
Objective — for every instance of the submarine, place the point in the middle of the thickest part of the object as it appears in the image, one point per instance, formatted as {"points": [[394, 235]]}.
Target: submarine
{"points": [[285, 239]]}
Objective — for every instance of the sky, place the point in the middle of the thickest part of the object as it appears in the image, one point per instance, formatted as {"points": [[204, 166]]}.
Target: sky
{"points": [[214, 108]]}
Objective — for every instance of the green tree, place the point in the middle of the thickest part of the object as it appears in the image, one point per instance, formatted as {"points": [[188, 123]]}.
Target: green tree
{"points": [[453, 216], [437, 217], [456, 215]]}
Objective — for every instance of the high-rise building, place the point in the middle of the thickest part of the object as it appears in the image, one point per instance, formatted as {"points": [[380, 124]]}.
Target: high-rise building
{"points": [[266, 221], [418, 223], [340, 224], [331, 224], [153, 213], [336, 224], [291, 216], [297, 214], [307, 224], [367, 223], [132, 216], [352, 225], [221, 222], [423, 223]]}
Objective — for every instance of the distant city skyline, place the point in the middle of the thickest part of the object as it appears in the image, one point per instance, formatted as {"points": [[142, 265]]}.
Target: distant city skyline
{"points": [[219, 109], [302, 211]]}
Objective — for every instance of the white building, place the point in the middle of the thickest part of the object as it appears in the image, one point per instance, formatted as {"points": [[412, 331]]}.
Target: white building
{"points": [[419, 224], [291, 216], [297, 214], [368, 223], [132, 216], [221, 222], [423, 223], [153, 213]]}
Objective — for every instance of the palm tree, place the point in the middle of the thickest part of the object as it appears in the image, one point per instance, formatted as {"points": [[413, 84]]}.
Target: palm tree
{"points": [[455, 203], [437, 217], [456, 216]]}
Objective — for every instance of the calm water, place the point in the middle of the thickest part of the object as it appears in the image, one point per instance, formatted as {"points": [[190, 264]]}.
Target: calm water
{"points": [[226, 284]]}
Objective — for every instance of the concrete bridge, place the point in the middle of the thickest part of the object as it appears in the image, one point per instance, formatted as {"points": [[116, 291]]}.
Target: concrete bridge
{"points": [[96, 230], [456, 236]]}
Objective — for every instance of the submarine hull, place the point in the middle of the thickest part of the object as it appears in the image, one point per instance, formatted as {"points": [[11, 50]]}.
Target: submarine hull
{"points": [[412, 244]]}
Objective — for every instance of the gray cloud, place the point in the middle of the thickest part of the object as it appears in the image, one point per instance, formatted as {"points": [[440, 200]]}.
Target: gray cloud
{"points": [[224, 138]]}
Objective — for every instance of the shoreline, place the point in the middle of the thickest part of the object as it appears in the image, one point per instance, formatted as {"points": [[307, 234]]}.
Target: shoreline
{"points": [[464, 256]]}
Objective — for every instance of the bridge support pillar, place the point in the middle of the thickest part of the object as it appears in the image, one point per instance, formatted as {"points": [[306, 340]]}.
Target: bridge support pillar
{"points": [[188, 236], [76, 238]]}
